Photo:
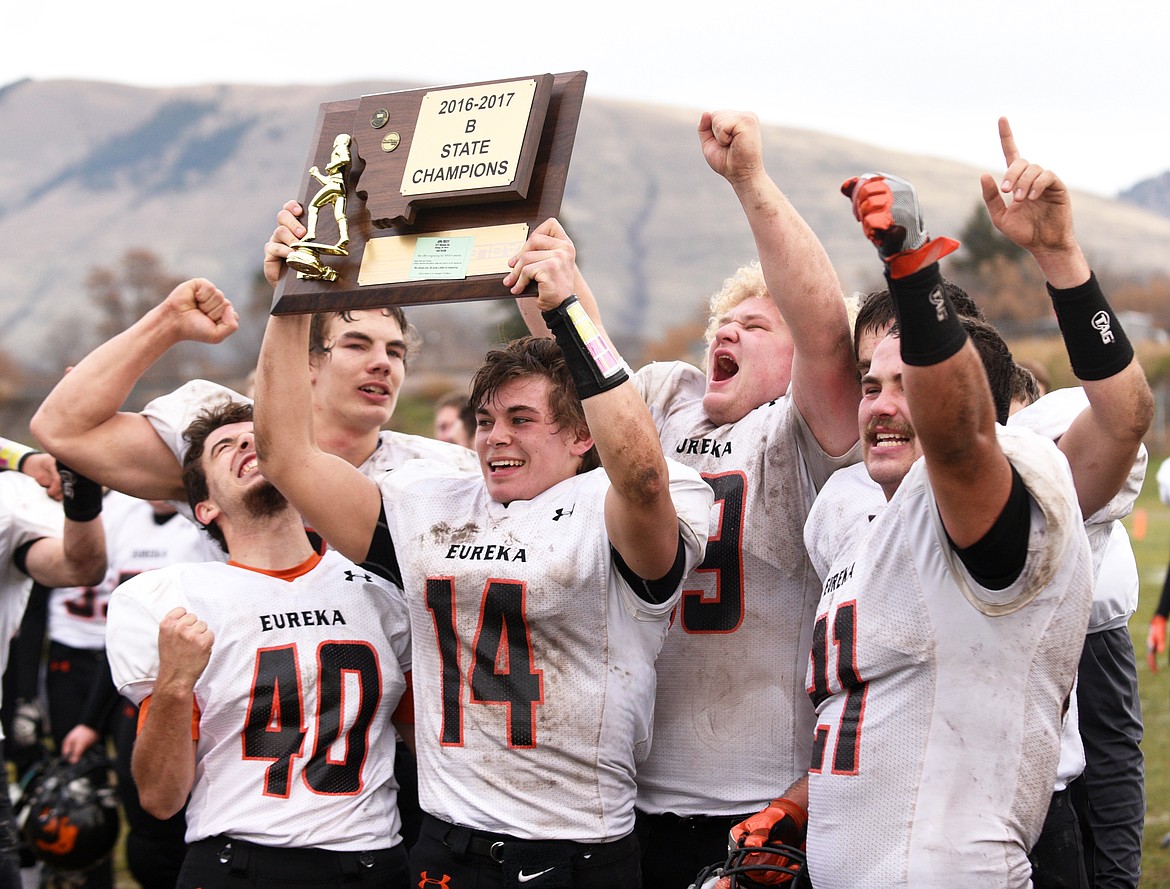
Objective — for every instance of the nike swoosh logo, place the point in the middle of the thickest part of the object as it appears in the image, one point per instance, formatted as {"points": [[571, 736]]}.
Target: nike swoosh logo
{"points": [[524, 878]]}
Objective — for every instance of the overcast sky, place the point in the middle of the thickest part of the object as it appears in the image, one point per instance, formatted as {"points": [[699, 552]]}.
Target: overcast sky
{"points": [[1086, 85]]}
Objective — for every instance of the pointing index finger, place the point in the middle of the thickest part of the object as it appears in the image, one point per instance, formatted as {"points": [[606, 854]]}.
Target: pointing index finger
{"points": [[1007, 142]]}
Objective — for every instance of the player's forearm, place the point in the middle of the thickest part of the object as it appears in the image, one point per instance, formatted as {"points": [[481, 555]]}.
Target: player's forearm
{"points": [[1102, 442], [1063, 268], [77, 558], [283, 406], [802, 282], [796, 268], [952, 407], [339, 502], [163, 764], [640, 515], [92, 393], [84, 546], [627, 443]]}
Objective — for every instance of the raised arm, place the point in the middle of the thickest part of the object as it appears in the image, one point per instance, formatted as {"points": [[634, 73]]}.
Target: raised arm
{"points": [[337, 501], [951, 409], [639, 513], [800, 279], [1102, 442], [163, 763], [78, 556], [80, 421]]}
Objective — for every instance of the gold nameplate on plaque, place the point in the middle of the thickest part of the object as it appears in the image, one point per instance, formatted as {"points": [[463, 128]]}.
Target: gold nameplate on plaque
{"points": [[469, 137], [389, 260]]}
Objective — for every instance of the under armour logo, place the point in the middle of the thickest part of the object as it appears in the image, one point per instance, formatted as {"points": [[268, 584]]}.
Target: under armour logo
{"points": [[1102, 324], [351, 576], [444, 881], [561, 513]]}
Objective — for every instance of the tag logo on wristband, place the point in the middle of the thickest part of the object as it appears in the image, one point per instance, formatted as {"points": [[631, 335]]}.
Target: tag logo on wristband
{"points": [[1103, 324], [938, 299]]}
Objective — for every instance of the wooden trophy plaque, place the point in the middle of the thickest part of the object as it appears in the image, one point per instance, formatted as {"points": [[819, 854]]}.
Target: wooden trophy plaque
{"points": [[422, 196]]}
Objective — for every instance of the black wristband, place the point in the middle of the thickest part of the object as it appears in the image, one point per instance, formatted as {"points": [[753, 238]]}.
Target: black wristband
{"points": [[1097, 346], [593, 364], [928, 325], [81, 497]]}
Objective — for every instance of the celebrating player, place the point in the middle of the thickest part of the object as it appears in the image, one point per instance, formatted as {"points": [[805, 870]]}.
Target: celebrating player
{"points": [[538, 588], [764, 425], [358, 362], [1099, 427], [947, 633], [266, 685]]}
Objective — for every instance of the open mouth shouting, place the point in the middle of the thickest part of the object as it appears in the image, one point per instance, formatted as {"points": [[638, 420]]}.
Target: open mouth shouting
{"points": [[723, 366]]}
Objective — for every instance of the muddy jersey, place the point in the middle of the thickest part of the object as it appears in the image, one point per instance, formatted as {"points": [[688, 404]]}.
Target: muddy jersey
{"points": [[295, 745], [135, 542], [533, 656], [732, 721], [940, 703], [26, 514]]}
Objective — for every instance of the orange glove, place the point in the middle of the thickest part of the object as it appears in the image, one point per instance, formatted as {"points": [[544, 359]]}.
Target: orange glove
{"points": [[1155, 641], [784, 823], [887, 208]]}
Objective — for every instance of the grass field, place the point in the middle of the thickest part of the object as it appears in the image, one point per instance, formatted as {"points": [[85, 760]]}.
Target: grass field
{"points": [[1149, 528]]}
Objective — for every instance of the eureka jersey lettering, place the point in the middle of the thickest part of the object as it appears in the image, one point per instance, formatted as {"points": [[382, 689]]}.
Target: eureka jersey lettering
{"points": [[295, 747]]}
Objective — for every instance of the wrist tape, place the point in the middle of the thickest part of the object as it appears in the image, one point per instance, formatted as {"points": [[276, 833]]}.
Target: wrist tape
{"points": [[593, 364], [13, 454], [81, 497], [1097, 346], [928, 325]]}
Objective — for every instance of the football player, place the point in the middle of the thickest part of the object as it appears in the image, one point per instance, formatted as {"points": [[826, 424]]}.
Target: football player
{"points": [[267, 686], [539, 589], [770, 419], [947, 633], [1077, 419]]}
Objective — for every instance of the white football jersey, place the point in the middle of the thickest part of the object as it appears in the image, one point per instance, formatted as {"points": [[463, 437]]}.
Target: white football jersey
{"points": [[939, 702], [1115, 598], [135, 542], [732, 721], [26, 514], [295, 747], [533, 657], [845, 506]]}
